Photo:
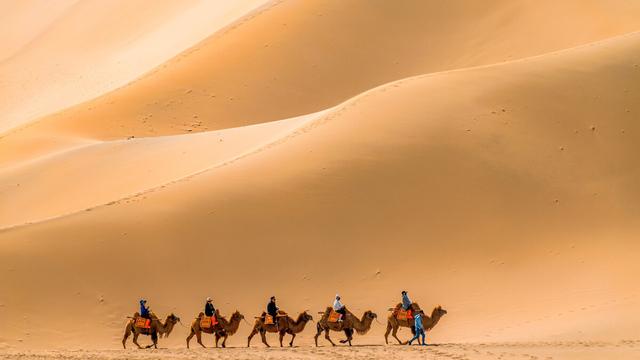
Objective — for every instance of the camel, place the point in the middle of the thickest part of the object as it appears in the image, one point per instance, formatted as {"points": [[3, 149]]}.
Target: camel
{"points": [[286, 325], [157, 328], [428, 322], [294, 327], [223, 329], [350, 323]]}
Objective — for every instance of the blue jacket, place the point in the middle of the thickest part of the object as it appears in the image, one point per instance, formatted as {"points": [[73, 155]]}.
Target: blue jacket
{"points": [[406, 303], [418, 322], [144, 310]]}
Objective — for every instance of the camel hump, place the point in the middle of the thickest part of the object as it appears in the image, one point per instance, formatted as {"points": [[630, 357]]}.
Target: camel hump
{"points": [[348, 311], [200, 315]]}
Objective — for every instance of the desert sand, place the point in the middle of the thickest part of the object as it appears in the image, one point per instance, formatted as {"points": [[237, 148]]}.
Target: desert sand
{"points": [[480, 155]]}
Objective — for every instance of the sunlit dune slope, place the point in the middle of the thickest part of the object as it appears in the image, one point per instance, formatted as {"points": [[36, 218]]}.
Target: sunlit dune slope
{"points": [[506, 193], [21, 22], [55, 54], [298, 57]]}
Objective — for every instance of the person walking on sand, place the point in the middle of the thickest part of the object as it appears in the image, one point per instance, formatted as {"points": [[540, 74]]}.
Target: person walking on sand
{"points": [[419, 329], [339, 308], [406, 302]]}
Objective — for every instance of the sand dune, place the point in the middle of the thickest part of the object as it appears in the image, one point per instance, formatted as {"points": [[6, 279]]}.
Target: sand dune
{"points": [[481, 156], [123, 168], [489, 202], [298, 57], [92, 47]]}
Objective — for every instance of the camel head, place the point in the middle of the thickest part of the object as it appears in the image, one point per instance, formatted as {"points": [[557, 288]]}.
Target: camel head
{"points": [[169, 323], [306, 316], [370, 315], [439, 312], [367, 319], [237, 315], [173, 318]]}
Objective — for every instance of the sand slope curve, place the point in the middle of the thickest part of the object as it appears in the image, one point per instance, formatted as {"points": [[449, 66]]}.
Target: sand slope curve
{"points": [[486, 190]]}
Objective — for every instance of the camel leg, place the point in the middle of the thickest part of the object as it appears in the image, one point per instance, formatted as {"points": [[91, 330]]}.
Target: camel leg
{"points": [[281, 333], [395, 334], [224, 340], [326, 336], [190, 336], [253, 333], [319, 331], [135, 339], [348, 333], [293, 336], [386, 333], [217, 337], [127, 333], [199, 338], [154, 338], [263, 335]]}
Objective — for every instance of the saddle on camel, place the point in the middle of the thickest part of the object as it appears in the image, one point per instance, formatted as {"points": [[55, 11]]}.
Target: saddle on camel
{"points": [[270, 320], [207, 322], [334, 316], [142, 323], [401, 314]]}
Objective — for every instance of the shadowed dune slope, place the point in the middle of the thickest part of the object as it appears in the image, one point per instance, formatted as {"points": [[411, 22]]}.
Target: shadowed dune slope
{"points": [[298, 57], [501, 192], [98, 173]]}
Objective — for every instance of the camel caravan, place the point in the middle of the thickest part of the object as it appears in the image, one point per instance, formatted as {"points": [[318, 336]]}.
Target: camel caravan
{"points": [[335, 318]]}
